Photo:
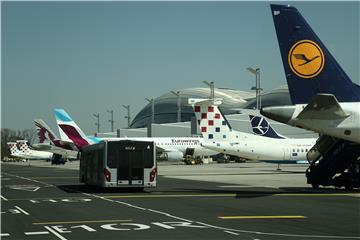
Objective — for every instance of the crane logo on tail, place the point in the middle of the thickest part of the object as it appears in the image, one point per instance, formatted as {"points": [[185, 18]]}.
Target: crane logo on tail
{"points": [[306, 59], [260, 127]]}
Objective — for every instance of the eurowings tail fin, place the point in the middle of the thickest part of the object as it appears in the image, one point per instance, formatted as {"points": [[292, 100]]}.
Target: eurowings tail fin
{"points": [[72, 131], [309, 67], [213, 125], [262, 127]]}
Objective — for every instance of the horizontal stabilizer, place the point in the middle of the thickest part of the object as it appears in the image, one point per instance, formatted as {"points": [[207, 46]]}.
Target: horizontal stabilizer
{"points": [[323, 107], [198, 101]]}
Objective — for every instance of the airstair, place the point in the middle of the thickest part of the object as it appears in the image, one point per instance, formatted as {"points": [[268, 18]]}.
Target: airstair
{"points": [[334, 162]]}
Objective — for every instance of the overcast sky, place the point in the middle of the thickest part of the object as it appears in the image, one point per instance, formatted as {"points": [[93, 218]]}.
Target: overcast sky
{"points": [[90, 57]]}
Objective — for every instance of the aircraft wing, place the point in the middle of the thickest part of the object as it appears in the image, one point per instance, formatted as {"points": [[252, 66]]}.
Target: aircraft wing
{"points": [[323, 107], [54, 149]]}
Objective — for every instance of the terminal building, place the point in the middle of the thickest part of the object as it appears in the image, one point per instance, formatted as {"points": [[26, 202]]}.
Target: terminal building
{"points": [[160, 118]]}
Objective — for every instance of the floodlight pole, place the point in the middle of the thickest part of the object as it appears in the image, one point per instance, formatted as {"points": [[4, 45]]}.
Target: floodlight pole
{"points": [[256, 72], [97, 116], [152, 101], [127, 107], [178, 94], [111, 119], [212, 88]]}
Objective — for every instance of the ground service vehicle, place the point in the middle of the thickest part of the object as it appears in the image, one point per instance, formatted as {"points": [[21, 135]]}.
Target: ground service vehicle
{"points": [[119, 163]]}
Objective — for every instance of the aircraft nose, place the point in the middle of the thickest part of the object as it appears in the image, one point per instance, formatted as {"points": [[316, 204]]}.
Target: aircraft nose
{"points": [[281, 114]]}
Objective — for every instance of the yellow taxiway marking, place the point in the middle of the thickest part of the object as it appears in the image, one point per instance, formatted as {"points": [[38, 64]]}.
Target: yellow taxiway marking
{"points": [[237, 195], [71, 222], [261, 217], [172, 195], [232, 195]]}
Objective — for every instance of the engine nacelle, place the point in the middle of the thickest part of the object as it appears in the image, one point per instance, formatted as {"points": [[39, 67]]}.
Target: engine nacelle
{"points": [[174, 156]]}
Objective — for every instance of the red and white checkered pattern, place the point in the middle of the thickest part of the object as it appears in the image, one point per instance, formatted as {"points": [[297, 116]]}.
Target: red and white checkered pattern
{"points": [[13, 148], [23, 146], [213, 125]]}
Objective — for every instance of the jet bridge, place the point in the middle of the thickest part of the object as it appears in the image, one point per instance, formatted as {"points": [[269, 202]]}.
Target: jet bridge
{"points": [[334, 162]]}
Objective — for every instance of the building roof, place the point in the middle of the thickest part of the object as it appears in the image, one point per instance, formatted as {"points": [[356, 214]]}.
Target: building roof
{"points": [[165, 107]]}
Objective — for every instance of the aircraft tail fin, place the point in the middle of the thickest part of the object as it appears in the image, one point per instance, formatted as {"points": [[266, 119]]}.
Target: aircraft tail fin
{"points": [[68, 127], [309, 67], [23, 146], [44, 132], [213, 125], [262, 127], [13, 148]]}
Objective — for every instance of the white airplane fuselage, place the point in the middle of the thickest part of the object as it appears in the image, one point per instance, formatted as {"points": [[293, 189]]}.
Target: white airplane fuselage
{"points": [[254, 147], [177, 145], [33, 154], [347, 128]]}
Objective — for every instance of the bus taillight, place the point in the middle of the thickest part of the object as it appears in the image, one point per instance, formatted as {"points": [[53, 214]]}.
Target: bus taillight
{"points": [[153, 174], [107, 175]]}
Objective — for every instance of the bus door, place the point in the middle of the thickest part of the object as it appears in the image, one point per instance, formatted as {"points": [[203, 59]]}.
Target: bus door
{"points": [[130, 168]]}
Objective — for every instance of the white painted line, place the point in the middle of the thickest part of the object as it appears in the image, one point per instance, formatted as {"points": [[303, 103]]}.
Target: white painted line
{"points": [[169, 215], [36, 233], [55, 233], [182, 219], [4, 234], [155, 211], [232, 233], [22, 210], [130, 205], [3, 198]]}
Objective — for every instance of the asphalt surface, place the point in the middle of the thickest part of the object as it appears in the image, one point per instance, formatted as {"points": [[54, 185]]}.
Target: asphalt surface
{"points": [[50, 203]]}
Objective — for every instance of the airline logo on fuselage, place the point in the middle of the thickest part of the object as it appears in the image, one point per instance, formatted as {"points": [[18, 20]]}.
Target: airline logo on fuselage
{"points": [[306, 59]]}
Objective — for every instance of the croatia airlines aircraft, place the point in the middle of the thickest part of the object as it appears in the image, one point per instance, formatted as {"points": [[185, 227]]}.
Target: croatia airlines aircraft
{"points": [[67, 150], [219, 136], [14, 151], [21, 149], [325, 99], [173, 148]]}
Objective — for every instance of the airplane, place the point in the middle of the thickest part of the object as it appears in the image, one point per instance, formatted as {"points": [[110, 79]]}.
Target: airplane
{"points": [[219, 136], [325, 99], [173, 148], [49, 142], [14, 151], [27, 153]]}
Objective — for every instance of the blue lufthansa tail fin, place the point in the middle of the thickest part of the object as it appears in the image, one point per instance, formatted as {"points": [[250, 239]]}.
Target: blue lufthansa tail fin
{"points": [[261, 126], [309, 67]]}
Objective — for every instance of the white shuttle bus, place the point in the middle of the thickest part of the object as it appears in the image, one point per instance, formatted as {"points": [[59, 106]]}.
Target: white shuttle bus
{"points": [[119, 164]]}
